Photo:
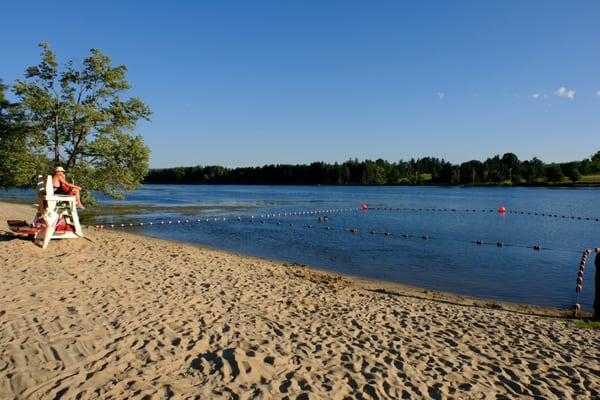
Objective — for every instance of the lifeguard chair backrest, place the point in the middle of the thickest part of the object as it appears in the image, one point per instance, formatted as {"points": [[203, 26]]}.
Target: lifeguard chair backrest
{"points": [[41, 184], [49, 188], [41, 192]]}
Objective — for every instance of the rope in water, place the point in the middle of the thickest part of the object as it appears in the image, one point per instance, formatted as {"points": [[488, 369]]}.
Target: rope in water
{"points": [[252, 218], [502, 211], [484, 210], [408, 235]]}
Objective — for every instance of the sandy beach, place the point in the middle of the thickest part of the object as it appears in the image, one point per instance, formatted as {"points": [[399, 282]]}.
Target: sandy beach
{"points": [[123, 316]]}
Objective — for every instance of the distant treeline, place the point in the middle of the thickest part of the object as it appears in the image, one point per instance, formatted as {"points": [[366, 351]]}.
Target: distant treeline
{"points": [[429, 170]]}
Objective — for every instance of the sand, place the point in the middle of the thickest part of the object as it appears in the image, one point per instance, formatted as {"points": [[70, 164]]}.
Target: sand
{"points": [[125, 316]]}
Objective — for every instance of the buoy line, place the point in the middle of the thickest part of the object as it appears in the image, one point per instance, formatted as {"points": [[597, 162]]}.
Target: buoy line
{"points": [[425, 236], [323, 217], [579, 282], [501, 210], [251, 218]]}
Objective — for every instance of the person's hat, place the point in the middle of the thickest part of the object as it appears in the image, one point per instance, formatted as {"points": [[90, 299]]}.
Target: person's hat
{"points": [[59, 169]]}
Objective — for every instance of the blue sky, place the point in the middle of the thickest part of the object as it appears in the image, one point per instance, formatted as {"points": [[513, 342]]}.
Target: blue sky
{"points": [[256, 82]]}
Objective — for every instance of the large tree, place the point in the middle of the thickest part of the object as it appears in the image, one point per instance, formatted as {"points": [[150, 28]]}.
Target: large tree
{"points": [[84, 124]]}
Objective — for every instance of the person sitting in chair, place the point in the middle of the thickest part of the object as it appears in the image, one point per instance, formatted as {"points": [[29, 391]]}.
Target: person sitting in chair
{"points": [[61, 186]]}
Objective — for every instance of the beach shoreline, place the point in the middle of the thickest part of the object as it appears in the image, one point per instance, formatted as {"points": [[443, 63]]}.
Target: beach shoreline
{"points": [[371, 284], [125, 315]]}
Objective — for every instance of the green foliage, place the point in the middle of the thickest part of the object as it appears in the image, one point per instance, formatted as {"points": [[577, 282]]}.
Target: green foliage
{"points": [[20, 159], [472, 172], [593, 165], [554, 173], [428, 170], [572, 172], [532, 170], [449, 174], [82, 121]]}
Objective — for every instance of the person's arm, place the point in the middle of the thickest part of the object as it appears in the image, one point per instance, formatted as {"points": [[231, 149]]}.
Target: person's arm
{"points": [[70, 185]]}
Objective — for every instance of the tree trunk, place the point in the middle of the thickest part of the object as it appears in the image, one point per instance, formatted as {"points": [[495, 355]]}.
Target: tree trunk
{"points": [[56, 141], [76, 148], [597, 293]]}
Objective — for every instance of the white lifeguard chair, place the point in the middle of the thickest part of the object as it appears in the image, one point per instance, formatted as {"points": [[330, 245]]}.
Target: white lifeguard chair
{"points": [[57, 216]]}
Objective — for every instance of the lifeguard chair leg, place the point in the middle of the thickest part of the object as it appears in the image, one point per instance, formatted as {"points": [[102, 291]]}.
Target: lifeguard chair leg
{"points": [[48, 232], [75, 216]]}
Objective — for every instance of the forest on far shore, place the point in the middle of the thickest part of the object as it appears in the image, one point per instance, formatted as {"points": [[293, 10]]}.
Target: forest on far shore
{"points": [[505, 169]]}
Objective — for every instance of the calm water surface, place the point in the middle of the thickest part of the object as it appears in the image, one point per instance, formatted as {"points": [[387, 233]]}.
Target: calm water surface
{"points": [[448, 261]]}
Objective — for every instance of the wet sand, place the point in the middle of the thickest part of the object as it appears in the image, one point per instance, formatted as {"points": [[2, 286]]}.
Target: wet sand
{"points": [[123, 316]]}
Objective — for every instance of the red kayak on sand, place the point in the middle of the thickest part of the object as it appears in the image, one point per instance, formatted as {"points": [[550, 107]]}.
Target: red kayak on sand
{"points": [[22, 227]]}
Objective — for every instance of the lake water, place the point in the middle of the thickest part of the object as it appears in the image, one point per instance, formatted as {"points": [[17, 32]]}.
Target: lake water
{"points": [[448, 260]]}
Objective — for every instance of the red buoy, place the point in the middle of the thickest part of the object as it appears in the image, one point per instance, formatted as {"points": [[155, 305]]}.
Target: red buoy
{"points": [[502, 210], [364, 207]]}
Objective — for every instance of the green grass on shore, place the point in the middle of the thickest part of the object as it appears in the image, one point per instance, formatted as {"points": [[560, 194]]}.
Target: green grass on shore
{"points": [[587, 324], [594, 178]]}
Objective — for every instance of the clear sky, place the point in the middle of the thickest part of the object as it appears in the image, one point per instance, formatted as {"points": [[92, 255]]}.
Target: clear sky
{"points": [[256, 82]]}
